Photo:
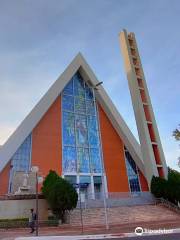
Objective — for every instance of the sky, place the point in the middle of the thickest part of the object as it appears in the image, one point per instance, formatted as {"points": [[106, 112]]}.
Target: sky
{"points": [[39, 38]]}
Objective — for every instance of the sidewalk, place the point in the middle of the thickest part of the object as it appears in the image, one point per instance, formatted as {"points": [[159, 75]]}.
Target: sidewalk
{"points": [[66, 230], [99, 236]]}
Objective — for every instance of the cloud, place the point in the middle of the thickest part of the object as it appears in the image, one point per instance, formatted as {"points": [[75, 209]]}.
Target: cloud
{"points": [[40, 38], [5, 130]]}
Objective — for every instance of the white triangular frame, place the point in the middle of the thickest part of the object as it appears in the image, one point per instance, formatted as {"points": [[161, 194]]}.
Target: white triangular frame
{"points": [[32, 119]]}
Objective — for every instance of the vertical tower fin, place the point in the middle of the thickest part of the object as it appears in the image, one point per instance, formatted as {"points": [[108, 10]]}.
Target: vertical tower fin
{"points": [[151, 147]]}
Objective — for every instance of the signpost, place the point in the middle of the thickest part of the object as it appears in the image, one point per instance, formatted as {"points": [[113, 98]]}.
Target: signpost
{"points": [[80, 186], [39, 179]]}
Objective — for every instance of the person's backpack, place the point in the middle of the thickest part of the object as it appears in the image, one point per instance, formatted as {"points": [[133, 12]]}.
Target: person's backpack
{"points": [[34, 216]]}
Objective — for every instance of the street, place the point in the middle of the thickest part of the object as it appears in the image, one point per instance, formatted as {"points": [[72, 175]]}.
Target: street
{"points": [[172, 236]]}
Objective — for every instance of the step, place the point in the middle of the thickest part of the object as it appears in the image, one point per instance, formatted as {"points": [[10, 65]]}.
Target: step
{"points": [[120, 215]]}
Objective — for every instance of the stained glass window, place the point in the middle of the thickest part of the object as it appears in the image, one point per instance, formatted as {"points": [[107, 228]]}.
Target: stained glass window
{"points": [[132, 173], [80, 106], [90, 107], [93, 131], [79, 88], [21, 159], [68, 103], [69, 159], [95, 159], [68, 129], [83, 160], [88, 92], [81, 142], [69, 88], [81, 130]]}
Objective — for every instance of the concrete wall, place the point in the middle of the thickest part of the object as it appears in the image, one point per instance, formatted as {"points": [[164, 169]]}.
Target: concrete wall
{"points": [[151, 148], [21, 208]]}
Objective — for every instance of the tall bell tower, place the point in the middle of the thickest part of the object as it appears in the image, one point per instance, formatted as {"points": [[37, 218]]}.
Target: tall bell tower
{"points": [[151, 147]]}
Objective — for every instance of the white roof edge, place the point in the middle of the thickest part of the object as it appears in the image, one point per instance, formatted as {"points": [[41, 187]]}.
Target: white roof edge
{"points": [[115, 117], [32, 119], [27, 125]]}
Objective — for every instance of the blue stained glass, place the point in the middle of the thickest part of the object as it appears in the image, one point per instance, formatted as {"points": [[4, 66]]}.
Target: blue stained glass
{"points": [[79, 89], [69, 88], [92, 122], [69, 159], [81, 130], [95, 160], [93, 131], [89, 93], [68, 129], [80, 105], [131, 166], [93, 138], [68, 103], [21, 158], [132, 173], [90, 107], [83, 160]]}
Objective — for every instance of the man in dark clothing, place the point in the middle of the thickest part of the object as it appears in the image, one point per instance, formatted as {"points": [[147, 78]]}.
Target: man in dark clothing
{"points": [[32, 220]]}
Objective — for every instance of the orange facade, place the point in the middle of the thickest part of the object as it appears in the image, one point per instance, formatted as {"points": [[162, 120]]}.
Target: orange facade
{"points": [[46, 141], [113, 154], [47, 150], [143, 182], [4, 179]]}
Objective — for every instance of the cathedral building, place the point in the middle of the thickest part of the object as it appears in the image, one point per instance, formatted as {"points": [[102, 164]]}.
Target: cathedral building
{"points": [[76, 130]]}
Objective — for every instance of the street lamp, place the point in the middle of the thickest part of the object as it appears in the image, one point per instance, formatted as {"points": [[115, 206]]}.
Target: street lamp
{"points": [[35, 169], [78, 186], [95, 88]]}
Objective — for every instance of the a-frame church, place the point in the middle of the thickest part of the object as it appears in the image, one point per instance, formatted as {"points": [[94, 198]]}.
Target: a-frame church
{"points": [[76, 130]]}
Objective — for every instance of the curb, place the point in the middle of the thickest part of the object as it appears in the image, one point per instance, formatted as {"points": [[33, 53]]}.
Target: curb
{"points": [[77, 237], [152, 232], [146, 232]]}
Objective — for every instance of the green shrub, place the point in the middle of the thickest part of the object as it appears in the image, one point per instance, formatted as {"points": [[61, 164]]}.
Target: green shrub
{"points": [[14, 219], [60, 194], [168, 189], [14, 223], [158, 186], [52, 217]]}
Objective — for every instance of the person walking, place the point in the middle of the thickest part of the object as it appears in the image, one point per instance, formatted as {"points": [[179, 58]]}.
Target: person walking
{"points": [[32, 220]]}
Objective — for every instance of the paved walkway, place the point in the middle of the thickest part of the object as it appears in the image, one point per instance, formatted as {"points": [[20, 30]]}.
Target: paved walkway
{"points": [[119, 230], [121, 220]]}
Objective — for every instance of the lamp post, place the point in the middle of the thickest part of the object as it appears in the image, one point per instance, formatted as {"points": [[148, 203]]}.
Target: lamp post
{"points": [[35, 169], [82, 227], [78, 186], [95, 88]]}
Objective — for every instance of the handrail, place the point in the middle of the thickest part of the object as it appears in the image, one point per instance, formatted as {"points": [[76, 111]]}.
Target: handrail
{"points": [[168, 204]]}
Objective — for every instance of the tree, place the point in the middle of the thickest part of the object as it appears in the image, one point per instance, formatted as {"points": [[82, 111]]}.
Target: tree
{"points": [[60, 194], [179, 162], [176, 135], [168, 189], [158, 186]]}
